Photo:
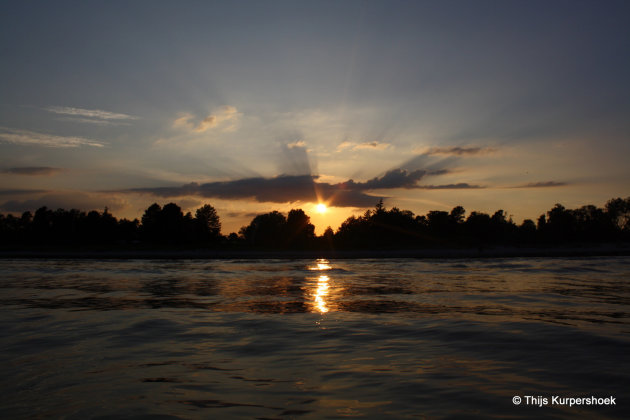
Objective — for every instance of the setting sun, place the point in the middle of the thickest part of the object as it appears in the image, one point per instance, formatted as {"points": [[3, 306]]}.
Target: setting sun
{"points": [[321, 208]]}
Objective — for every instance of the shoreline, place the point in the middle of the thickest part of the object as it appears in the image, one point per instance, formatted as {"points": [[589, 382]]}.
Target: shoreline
{"points": [[445, 253]]}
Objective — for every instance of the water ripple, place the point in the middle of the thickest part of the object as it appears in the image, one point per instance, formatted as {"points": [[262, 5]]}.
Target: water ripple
{"points": [[312, 339]]}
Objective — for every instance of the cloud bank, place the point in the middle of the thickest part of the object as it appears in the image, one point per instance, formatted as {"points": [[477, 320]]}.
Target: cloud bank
{"points": [[305, 188]]}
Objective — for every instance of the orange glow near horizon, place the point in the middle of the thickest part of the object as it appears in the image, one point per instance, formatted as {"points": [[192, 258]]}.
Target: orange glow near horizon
{"points": [[332, 216]]}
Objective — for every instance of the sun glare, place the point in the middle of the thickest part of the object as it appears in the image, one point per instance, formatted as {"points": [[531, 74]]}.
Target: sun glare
{"points": [[321, 208]]}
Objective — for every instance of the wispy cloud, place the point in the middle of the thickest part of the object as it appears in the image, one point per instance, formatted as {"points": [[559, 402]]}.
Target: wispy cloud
{"points": [[299, 143], [371, 145], [458, 186], [344, 145], [32, 170], [225, 118], [25, 137], [544, 184], [459, 151], [89, 115], [92, 121]]}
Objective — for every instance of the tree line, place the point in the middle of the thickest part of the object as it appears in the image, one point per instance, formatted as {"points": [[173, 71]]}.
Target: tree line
{"points": [[378, 228]]}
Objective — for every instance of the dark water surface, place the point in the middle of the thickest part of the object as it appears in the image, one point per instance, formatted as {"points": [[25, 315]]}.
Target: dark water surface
{"points": [[313, 339]]}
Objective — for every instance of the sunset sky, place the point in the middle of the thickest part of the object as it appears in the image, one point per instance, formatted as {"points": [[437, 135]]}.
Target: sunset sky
{"points": [[273, 105]]}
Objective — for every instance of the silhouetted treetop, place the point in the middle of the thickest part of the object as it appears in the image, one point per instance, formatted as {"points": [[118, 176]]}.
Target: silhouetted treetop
{"points": [[377, 228], [207, 222]]}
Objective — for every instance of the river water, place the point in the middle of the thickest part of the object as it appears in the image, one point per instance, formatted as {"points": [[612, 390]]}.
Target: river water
{"points": [[311, 339]]}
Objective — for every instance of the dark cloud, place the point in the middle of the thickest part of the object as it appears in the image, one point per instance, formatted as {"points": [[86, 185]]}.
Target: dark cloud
{"points": [[459, 151], [459, 186], [32, 170], [306, 188], [295, 187], [279, 189], [298, 184], [396, 178], [545, 184]]}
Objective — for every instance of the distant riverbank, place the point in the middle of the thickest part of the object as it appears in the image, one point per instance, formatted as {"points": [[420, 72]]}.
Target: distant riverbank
{"points": [[485, 252]]}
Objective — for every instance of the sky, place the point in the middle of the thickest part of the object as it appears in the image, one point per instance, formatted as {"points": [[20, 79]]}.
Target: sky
{"points": [[254, 106]]}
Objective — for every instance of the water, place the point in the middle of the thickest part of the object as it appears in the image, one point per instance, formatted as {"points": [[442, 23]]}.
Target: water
{"points": [[313, 339]]}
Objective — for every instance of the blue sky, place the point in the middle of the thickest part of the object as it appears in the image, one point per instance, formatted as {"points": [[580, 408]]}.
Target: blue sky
{"points": [[254, 106]]}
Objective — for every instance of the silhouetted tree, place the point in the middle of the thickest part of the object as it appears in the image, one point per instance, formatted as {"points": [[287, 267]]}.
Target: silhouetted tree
{"points": [[42, 224], [379, 208], [527, 231], [618, 211], [150, 225], [352, 233], [327, 239], [207, 223], [376, 228], [439, 223], [592, 224], [477, 226], [502, 228], [171, 222], [163, 225], [560, 224], [266, 230], [457, 214], [108, 226], [299, 231], [379, 228], [26, 218], [541, 223], [128, 230]]}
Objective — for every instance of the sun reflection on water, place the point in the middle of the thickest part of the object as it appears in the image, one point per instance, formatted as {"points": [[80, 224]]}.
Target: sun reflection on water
{"points": [[321, 264], [321, 293]]}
